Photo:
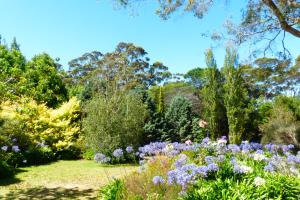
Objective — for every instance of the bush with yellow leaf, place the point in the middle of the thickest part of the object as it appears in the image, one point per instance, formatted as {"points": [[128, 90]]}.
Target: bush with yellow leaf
{"points": [[34, 123]]}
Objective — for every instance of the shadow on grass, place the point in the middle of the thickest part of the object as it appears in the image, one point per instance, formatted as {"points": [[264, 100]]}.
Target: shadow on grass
{"points": [[11, 180], [49, 193]]}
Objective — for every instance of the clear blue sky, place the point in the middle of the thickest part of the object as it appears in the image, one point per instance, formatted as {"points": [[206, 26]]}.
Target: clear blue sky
{"points": [[69, 28]]}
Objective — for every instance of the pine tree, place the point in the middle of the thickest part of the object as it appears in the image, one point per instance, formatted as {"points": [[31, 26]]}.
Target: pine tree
{"points": [[235, 97], [212, 96]]}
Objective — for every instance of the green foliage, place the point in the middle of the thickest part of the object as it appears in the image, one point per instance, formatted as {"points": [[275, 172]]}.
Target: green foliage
{"points": [[276, 187], [114, 122], [235, 97], [36, 155], [125, 68], [12, 68], [196, 77], [283, 126], [43, 81], [112, 191], [212, 97], [161, 102], [5, 170], [179, 120]]}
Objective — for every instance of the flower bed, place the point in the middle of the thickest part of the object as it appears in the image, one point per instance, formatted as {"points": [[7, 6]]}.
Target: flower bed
{"points": [[214, 170]]}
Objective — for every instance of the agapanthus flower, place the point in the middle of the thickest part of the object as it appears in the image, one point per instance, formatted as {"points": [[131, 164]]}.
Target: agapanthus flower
{"points": [[180, 161], [99, 157], [14, 140], [258, 157], [291, 146], [258, 181], [212, 167], [209, 159], [15, 149], [269, 167], [234, 148], [129, 149], [222, 140], [158, 180], [242, 169], [118, 153], [4, 148]]}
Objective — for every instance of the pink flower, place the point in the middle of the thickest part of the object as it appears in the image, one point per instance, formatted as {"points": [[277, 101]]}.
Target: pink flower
{"points": [[188, 142]]}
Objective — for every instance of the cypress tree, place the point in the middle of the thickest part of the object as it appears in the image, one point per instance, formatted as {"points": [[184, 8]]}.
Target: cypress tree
{"points": [[235, 97], [212, 96]]}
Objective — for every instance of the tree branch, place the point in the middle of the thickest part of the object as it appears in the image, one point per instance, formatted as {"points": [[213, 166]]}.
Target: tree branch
{"points": [[283, 23]]}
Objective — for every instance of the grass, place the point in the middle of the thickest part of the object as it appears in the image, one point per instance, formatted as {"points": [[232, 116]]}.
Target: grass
{"points": [[79, 179]]}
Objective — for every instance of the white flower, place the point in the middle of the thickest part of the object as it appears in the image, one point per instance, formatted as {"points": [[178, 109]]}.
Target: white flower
{"points": [[169, 147], [246, 169], [258, 181], [258, 157], [222, 141]]}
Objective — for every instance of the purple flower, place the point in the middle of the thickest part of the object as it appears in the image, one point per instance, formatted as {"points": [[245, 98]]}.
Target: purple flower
{"points": [[180, 161], [99, 157], [206, 140], [291, 146], [4, 148], [212, 167], [158, 180], [221, 158], [118, 153], [209, 159], [234, 148], [202, 170], [14, 140], [269, 167], [15, 149], [129, 149]]}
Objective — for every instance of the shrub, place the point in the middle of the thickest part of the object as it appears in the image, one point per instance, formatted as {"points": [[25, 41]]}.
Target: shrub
{"points": [[5, 170], [33, 123], [39, 155], [114, 122], [179, 120], [281, 127]]}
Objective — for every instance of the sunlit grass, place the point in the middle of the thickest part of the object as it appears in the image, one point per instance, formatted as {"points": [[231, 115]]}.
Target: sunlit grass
{"points": [[63, 179]]}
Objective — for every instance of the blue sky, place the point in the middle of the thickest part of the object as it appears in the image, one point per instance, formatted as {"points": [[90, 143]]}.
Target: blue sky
{"points": [[69, 28]]}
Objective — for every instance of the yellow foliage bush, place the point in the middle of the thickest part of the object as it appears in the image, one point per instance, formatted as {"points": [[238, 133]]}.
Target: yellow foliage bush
{"points": [[59, 128]]}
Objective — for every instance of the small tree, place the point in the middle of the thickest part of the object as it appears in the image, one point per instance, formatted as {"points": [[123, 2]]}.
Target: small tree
{"points": [[113, 122], [235, 97], [212, 96], [179, 120]]}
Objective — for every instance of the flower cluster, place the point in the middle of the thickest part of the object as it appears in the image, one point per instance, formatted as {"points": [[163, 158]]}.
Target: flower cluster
{"points": [[101, 158], [118, 153]]}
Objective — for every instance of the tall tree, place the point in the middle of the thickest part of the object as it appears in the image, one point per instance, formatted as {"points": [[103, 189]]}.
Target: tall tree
{"points": [[212, 97], [122, 69], [43, 81], [12, 68], [196, 77], [235, 97]]}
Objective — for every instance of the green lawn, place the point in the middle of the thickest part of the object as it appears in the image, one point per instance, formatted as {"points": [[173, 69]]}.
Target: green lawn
{"points": [[61, 180]]}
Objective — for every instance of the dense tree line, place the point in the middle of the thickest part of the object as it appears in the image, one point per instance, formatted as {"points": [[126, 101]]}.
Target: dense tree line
{"points": [[128, 100]]}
